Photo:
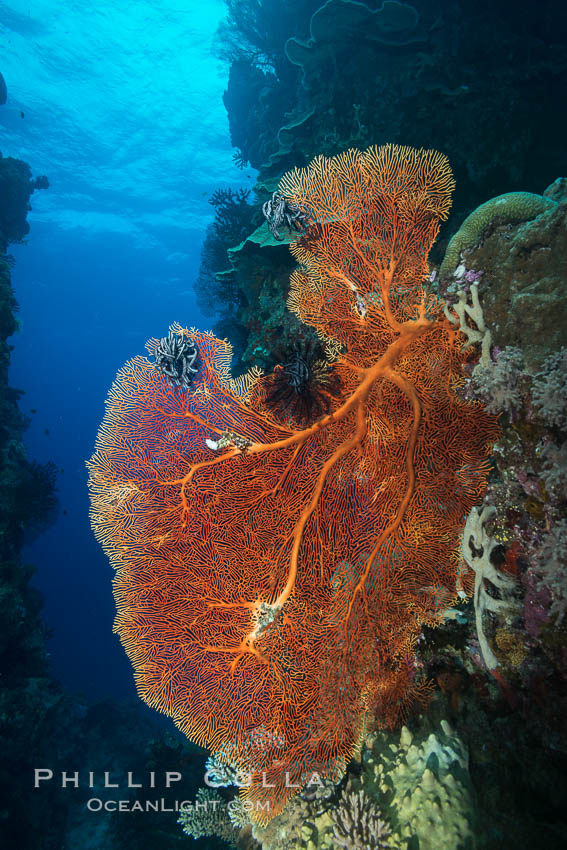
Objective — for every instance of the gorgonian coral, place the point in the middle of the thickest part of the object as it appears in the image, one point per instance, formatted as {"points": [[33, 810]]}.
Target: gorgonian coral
{"points": [[272, 580]]}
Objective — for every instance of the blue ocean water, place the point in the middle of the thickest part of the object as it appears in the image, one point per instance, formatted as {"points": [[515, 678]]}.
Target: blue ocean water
{"points": [[120, 105]]}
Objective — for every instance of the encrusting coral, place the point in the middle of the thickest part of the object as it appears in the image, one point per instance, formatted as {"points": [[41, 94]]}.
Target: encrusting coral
{"points": [[521, 272], [272, 581], [423, 786], [509, 208], [516, 544]]}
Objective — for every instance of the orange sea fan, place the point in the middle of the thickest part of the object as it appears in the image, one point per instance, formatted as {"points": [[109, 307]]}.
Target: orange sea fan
{"points": [[272, 582]]}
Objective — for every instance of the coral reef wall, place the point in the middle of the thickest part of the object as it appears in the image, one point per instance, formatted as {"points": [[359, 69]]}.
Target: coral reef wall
{"points": [[308, 77], [322, 76], [29, 699]]}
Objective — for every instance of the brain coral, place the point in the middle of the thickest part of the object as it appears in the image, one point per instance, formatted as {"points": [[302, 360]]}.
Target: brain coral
{"points": [[504, 209], [271, 582]]}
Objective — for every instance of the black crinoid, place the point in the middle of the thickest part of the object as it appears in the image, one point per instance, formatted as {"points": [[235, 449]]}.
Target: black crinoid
{"points": [[304, 387]]}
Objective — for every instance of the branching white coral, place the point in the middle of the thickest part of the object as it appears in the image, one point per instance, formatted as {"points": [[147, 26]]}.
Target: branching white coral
{"points": [[477, 547], [463, 314]]}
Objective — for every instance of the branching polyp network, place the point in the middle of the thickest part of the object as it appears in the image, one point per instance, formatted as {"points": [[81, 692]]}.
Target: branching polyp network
{"points": [[272, 581]]}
